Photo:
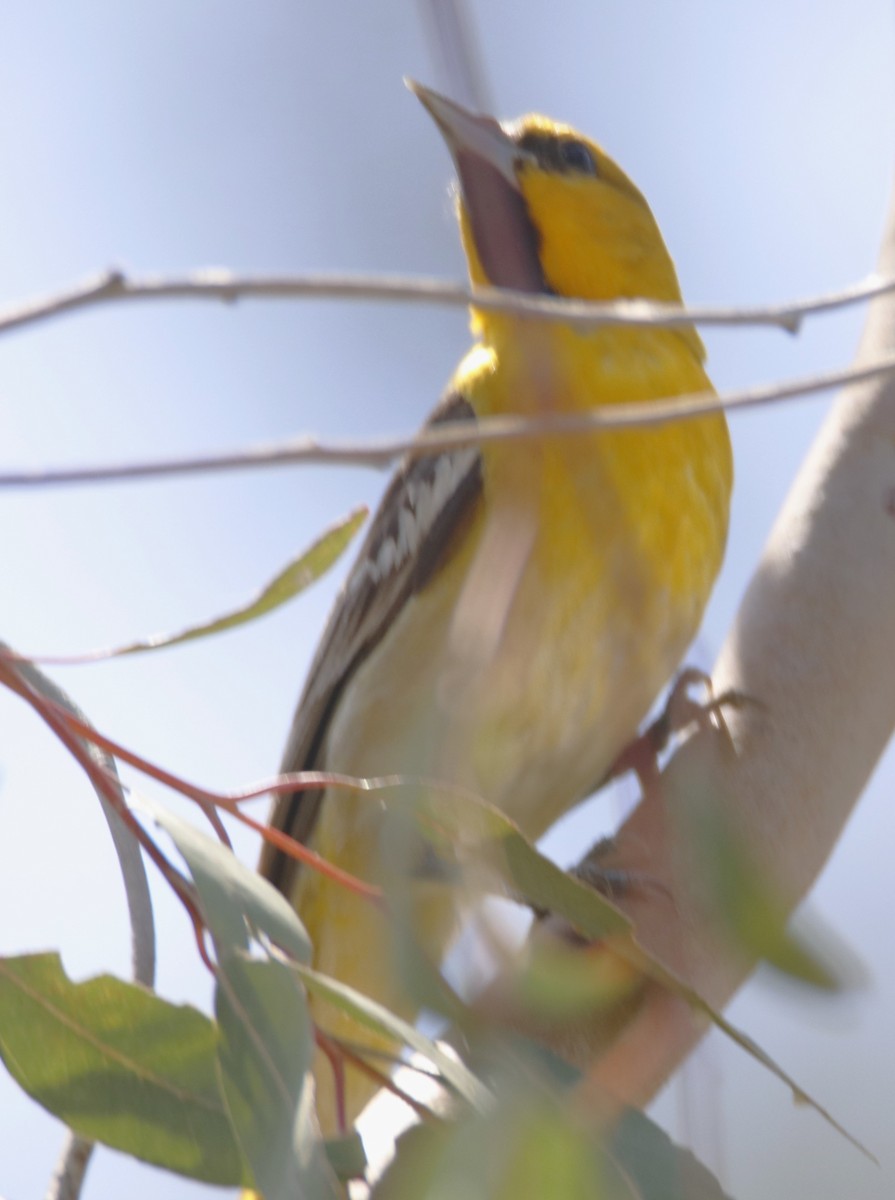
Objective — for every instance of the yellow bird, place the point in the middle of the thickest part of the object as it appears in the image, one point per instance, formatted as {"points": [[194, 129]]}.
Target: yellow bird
{"points": [[517, 607]]}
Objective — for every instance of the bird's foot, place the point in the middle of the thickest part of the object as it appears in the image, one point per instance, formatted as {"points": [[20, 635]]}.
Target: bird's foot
{"points": [[681, 712]]}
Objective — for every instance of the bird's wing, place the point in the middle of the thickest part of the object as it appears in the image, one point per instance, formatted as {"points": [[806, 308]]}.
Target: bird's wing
{"points": [[413, 534]]}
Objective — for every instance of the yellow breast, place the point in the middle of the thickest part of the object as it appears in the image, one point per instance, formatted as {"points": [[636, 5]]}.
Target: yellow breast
{"points": [[622, 535]]}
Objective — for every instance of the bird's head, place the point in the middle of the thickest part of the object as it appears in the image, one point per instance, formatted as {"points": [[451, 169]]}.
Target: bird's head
{"points": [[544, 209]]}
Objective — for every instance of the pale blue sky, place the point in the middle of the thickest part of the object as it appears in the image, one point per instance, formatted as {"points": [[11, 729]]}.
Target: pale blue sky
{"points": [[279, 137]]}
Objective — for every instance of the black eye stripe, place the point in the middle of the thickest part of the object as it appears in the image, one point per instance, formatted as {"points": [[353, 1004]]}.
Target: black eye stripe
{"points": [[562, 154]]}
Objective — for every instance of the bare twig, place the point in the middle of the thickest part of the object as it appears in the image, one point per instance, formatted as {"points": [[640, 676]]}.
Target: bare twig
{"points": [[219, 284], [382, 452], [456, 51], [68, 1174]]}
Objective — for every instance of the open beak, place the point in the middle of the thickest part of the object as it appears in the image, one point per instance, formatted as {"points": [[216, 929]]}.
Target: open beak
{"points": [[486, 158]]}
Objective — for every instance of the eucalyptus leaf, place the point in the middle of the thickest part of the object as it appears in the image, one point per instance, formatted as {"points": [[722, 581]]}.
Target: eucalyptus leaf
{"points": [[120, 1066], [266, 1051], [230, 892], [297, 575], [376, 1017]]}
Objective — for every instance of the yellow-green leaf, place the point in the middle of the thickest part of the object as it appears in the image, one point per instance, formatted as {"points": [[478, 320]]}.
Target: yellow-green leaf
{"points": [[297, 575], [118, 1065]]}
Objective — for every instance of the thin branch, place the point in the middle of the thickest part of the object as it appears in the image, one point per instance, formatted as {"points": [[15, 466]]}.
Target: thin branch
{"points": [[359, 1058], [76, 733], [383, 452], [221, 285], [456, 52], [71, 1167], [79, 738]]}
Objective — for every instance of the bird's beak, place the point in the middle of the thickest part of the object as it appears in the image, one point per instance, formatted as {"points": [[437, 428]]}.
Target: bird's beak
{"points": [[486, 158], [468, 133]]}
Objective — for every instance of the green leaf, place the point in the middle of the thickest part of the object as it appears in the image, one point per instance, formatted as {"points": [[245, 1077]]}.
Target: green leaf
{"points": [[230, 892], [533, 1145], [376, 1017], [550, 889], [557, 982], [297, 575], [527, 1149], [346, 1155], [660, 1169], [465, 827], [118, 1065], [266, 1051], [755, 918], [266, 1043]]}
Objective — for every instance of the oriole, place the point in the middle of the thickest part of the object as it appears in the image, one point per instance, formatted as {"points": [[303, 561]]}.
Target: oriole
{"points": [[515, 608]]}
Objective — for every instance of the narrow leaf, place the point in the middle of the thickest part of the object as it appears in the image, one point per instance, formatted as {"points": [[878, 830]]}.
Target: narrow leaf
{"points": [[660, 1169], [230, 892], [266, 1051], [376, 1017], [297, 575], [346, 1155], [266, 1045], [526, 1149], [130, 858], [464, 827], [755, 917]]}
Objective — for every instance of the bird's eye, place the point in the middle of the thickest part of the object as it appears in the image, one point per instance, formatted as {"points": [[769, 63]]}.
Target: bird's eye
{"points": [[578, 157]]}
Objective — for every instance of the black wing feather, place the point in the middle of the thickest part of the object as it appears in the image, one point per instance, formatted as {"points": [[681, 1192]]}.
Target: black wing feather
{"points": [[411, 537]]}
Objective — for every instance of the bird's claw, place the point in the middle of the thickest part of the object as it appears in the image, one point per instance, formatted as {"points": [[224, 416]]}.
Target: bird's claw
{"points": [[681, 712]]}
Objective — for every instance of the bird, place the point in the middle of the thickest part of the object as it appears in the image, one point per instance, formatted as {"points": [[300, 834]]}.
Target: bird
{"points": [[516, 606]]}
